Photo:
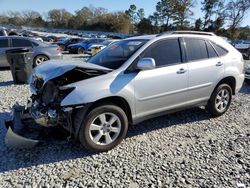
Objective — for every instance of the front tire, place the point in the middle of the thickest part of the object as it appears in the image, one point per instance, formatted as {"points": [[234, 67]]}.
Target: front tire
{"points": [[103, 128], [220, 100]]}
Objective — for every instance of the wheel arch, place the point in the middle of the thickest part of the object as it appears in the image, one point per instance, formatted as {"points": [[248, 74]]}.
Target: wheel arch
{"points": [[116, 100], [230, 80], [40, 55]]}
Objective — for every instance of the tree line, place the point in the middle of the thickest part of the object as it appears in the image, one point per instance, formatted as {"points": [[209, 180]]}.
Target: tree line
{"points": [[224, 17]]}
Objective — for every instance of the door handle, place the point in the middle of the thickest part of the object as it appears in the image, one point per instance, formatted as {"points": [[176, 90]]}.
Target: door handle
{"points": [[181, 71], [219, 64]]}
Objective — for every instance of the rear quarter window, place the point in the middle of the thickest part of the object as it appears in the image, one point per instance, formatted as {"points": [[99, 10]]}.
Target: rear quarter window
{"points": [[220, 50], [211, 51]]}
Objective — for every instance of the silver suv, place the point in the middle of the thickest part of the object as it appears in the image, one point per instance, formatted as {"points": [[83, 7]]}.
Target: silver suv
{"points": [[133, 80]]}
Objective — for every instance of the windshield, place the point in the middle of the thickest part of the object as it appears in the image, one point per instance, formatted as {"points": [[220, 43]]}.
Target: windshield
{"points": [[106, 42], [116, 54]]}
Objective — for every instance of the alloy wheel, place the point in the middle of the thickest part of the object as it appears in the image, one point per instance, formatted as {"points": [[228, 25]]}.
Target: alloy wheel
{"points": [[222, 100], [105, 129]]}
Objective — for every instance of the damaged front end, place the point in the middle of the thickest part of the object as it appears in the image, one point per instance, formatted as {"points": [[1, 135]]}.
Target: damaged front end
{"points": [[48, 91], [19, 134]]}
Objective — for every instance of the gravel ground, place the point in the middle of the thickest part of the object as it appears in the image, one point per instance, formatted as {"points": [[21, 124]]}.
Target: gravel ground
{"points": [[185, 149]]}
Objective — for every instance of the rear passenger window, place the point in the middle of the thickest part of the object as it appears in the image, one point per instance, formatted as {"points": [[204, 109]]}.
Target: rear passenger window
{"points": [[4, 43], [21, 43], [196, 49], [165, 52], [221, 51], [211, 52]]}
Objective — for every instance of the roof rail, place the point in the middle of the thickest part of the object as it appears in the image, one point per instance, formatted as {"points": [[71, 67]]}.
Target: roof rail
{"points": [[187, 32]]}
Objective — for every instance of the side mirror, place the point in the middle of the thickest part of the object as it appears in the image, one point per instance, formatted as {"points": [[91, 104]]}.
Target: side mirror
{"points": [[146, 64]]}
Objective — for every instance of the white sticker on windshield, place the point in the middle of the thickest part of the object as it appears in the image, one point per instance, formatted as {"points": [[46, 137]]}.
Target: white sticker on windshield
{"points": [[134, 43]]}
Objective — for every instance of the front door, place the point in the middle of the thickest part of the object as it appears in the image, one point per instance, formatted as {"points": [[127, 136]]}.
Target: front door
{"points": [[164, 87]]}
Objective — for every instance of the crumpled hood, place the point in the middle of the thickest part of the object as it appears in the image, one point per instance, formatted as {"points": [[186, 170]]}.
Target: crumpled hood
{"points": [[54, 68]]}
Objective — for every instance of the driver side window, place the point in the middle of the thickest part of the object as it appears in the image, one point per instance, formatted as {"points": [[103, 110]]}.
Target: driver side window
{"points": [[165, 52]]}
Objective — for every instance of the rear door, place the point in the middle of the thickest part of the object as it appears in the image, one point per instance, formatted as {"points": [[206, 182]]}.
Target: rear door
{"points": [[4, 45], [205, 69]]}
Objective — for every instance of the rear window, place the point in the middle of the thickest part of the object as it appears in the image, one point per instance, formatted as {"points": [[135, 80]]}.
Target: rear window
{"points": [[4, 43], [21, 43], [196, 49], [221, 51]]}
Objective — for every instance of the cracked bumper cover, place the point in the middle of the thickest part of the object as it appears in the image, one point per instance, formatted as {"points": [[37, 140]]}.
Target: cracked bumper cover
{"points": [[21, 129]]}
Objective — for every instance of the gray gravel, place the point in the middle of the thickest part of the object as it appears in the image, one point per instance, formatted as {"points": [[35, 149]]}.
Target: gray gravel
{"points": [[185, 149]]}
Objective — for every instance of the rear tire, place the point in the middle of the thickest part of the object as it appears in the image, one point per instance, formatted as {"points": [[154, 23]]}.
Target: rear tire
{"points": [[39, 60], [103, 128], [220, 100]]}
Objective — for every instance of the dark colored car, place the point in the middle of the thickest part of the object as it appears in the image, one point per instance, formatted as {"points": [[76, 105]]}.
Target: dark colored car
{"points": [[64, 44], [83, 46]]}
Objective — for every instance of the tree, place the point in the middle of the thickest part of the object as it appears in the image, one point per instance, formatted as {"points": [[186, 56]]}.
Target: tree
{"points": [[165, 10], [59, 17], [235, 12], [154, 19], [140, 14], [208, 7], [30, 17], [198, 24], [131, 13], [181, 13], [145, 26], [83, 17]]}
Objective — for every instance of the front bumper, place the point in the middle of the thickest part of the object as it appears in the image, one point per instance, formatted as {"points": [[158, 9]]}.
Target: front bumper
{"points": [[22, 131]]}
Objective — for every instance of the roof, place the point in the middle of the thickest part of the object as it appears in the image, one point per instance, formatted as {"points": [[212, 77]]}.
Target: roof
{"points": [[145, 37]]}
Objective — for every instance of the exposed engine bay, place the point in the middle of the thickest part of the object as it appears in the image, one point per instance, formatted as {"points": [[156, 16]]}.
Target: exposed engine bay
{"points": [[48, 91], [46, 108]]}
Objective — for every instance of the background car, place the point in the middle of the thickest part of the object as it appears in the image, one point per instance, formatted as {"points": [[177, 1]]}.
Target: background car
{"points": [[41, 51], [244, 48], [82, 47], [247, 74], [95, 48], [65, 43], [3, 32]]}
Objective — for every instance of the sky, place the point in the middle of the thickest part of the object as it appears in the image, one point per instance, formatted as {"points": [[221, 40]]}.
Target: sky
{"points": [[43, 6]]}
